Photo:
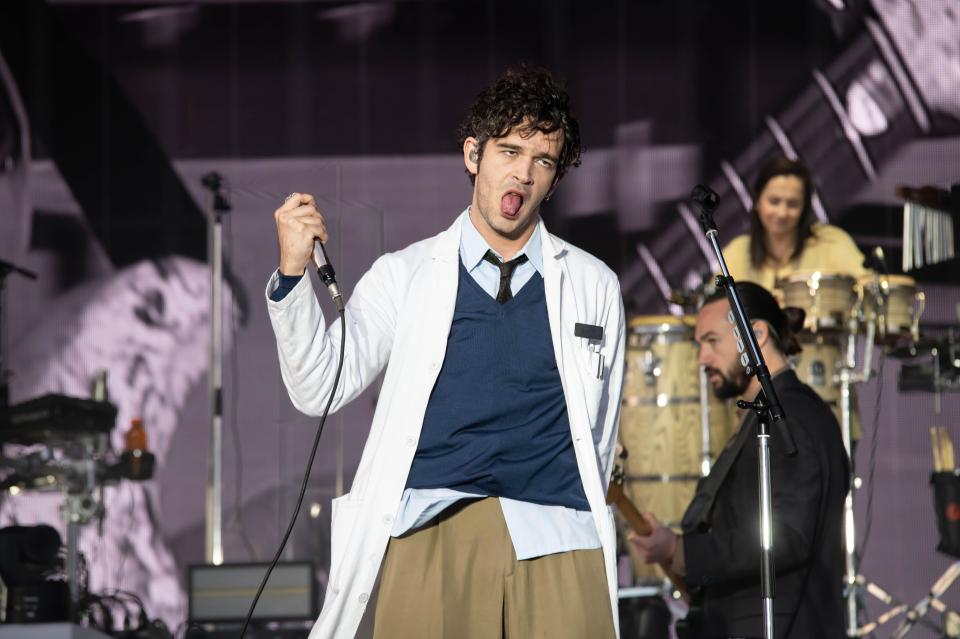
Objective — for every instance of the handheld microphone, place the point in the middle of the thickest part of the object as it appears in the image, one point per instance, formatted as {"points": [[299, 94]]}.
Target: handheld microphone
{"points": [[326, 273]]}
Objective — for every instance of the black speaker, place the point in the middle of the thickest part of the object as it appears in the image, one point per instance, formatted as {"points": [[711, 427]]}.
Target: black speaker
{"points": [[224, 593], [41, 602], [946, 502]]}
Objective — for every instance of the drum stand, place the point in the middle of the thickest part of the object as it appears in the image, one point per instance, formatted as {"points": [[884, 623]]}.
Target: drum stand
{"points": [[847, 376], [950, 619], [856, 583]]}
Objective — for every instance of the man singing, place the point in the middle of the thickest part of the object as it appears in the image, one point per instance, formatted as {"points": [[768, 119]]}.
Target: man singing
{"points": [[719, 550], [480, 492]]}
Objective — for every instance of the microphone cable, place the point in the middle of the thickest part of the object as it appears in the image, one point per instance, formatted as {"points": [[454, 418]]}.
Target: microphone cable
{"points": [[306, 475]]}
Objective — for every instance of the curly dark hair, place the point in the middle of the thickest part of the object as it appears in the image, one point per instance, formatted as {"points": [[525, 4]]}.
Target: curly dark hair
{"points": [[775, 167], [528, 97]]}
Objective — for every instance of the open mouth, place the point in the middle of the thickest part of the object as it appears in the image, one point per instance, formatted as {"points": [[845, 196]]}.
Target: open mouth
{"points": [[510, 203]]}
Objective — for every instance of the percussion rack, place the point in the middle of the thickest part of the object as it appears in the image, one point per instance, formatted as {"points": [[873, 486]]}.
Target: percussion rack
{"points": [[848, 375]]}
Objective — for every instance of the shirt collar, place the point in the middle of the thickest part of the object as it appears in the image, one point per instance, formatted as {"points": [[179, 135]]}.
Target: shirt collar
{"points": [[473, 247]]}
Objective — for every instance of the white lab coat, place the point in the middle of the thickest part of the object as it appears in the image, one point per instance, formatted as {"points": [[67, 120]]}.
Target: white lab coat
{"points": [[399, 316]]}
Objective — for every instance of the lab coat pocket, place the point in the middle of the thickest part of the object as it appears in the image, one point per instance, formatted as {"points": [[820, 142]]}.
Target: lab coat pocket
{"points": [[343, 517], [590, 362], [591, 384]]}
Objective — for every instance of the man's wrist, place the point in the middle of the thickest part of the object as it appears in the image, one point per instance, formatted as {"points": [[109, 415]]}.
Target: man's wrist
{"points": [[285, 284], [288, 271]]}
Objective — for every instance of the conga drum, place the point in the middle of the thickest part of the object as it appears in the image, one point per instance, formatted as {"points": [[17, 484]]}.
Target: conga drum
{"points": [[662, 422], [894, 304], [829, 299], [818, 365]]}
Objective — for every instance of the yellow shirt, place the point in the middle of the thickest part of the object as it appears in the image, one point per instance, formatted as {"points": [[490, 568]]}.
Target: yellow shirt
{"points": [[830, 250]]}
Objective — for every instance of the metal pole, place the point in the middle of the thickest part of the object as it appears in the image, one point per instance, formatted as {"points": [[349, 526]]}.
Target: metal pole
{"points": [[849, 525], [706, 455], [766, 529], [214, 528], [848, 376]]}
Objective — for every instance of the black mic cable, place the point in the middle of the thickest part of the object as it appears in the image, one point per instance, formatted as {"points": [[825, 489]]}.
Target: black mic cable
{"points": [[327, 275]]}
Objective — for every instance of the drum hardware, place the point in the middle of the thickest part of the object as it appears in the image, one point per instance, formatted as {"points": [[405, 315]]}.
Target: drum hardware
{"points": [[950, 626], [946, 489], [839, 309], [888, 312], [651, 368], [706, 453], [846, 377], [894, 305], [945, 481], [885, 310], [818, 374], [937, 369]]}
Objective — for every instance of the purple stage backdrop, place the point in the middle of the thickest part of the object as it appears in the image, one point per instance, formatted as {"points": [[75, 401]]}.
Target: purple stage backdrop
{"points": [[111, 113]]}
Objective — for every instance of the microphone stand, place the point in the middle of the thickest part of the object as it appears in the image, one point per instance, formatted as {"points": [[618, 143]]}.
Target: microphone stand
{"points": [[220, 206], [766, 405]]}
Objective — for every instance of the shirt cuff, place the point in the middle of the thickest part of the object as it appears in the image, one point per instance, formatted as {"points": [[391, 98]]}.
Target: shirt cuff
{"points": [[285, 284]]}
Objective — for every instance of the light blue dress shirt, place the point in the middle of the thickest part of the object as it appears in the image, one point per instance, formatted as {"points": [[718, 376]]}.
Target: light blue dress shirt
{"points": [[535, 529]]}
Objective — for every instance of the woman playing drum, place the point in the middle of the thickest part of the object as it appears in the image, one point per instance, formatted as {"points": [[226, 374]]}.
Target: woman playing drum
{"points": [[785, 236]]}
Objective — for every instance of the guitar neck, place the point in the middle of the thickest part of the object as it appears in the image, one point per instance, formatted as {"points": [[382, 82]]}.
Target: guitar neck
{"points": [[638, 524], [631, 514]]}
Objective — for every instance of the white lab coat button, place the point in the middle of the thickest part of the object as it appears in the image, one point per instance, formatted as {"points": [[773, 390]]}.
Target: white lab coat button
{"points": [[411, 442], [387, 519], [435, 364], [363, 597]]}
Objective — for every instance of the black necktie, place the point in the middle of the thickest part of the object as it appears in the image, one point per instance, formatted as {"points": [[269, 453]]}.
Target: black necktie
{"points": [[506, 271]]}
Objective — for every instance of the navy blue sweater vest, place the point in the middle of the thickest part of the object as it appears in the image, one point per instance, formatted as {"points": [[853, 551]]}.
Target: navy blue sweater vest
{"points": [[496, 423]]}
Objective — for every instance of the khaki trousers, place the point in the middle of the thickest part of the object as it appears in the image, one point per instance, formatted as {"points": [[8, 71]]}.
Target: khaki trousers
{"points": [[458, 578]]}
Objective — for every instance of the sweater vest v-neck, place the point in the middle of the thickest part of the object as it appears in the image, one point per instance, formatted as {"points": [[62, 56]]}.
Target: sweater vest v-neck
{"points": [[496, 423]]}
